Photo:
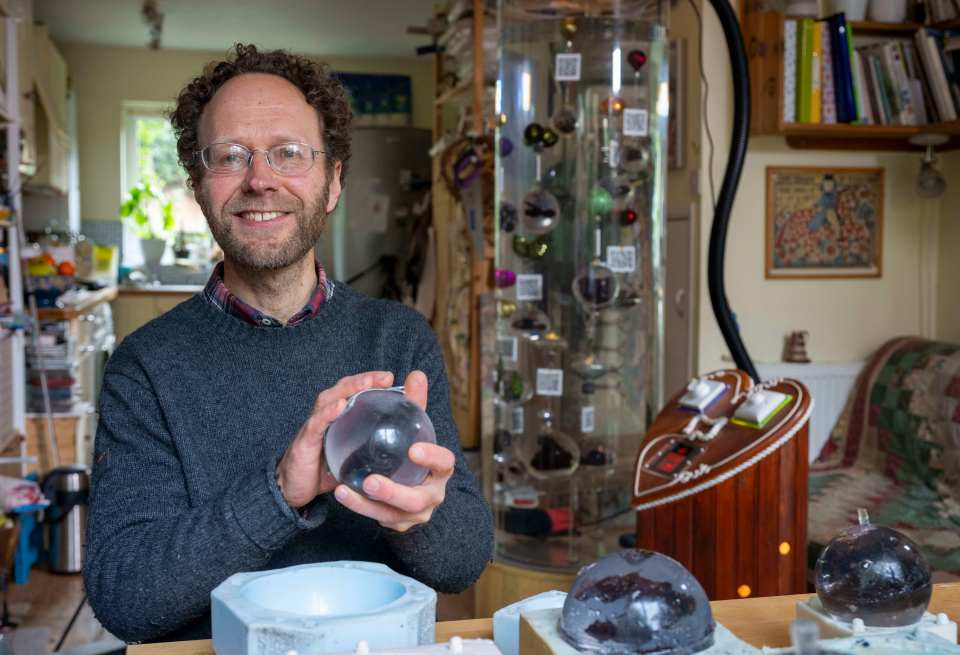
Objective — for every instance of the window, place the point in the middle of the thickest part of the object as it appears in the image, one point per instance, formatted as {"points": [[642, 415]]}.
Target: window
{"points": [[150, 157]]}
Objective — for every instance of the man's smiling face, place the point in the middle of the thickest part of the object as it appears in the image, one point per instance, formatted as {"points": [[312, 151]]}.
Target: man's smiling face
{"points": [[261, 219]]}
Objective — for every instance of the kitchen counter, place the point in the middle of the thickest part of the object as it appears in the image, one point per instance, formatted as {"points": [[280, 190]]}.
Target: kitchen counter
{"points": [[75, 309]]}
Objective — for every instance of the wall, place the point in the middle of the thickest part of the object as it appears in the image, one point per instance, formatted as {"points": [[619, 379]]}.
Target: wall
{"points": [[847, 319], [105, 77], [948, 278]]}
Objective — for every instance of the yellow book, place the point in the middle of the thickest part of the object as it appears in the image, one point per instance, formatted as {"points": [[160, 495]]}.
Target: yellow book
{"points": [[815, 74]]}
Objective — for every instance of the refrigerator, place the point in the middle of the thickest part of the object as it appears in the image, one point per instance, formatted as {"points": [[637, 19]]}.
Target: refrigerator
{"points": [[376, 237]]}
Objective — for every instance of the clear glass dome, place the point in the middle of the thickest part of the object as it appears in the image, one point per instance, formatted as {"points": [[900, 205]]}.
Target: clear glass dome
{"points": [[374, 435], [875, 574], [637, 601]]}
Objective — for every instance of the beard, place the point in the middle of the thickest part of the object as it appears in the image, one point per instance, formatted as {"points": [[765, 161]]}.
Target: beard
{"points": [[310, 221]]}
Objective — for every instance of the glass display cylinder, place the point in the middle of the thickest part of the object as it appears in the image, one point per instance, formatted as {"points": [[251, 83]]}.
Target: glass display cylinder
{"points": [[582, 99]]}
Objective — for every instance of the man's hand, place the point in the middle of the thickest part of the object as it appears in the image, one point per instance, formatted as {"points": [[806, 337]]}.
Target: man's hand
{"points": [[302, 472], [396, 506]]}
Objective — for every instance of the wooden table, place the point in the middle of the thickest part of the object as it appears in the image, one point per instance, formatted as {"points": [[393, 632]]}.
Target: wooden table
{"points": [[759, 621]]}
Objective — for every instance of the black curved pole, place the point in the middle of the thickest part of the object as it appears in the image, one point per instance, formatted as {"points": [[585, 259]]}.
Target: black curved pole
{"points": [[731, 178]]}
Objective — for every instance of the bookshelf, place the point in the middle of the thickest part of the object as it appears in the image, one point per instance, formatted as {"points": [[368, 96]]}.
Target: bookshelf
{"points": [[763, 35]]}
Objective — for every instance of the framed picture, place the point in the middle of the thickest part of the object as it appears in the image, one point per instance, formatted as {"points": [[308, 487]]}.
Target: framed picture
{"points": [[824, 222], [676, 123]]}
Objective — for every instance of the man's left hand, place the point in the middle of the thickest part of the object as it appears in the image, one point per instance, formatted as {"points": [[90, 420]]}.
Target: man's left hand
{"points": [[396, 506]]}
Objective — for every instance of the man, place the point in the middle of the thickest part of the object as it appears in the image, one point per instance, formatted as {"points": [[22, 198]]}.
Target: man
{"points": [[208, 459]]}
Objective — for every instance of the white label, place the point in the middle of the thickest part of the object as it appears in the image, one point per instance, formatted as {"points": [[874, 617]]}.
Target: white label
{"points": [[586, 419], [635, 122], [549, 382], [507, 347], [613, 153], [622, 259], [567, 67], [516, 420], [529, 287]]}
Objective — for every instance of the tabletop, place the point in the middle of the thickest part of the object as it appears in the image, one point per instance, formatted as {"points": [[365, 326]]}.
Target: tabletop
{"points": [[759, 621]]}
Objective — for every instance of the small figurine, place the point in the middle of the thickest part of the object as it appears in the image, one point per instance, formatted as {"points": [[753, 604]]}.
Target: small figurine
{"points": [[795, 347]]}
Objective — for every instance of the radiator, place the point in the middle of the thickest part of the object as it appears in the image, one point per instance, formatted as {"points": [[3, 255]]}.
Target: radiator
{"points": [[829, 385]]}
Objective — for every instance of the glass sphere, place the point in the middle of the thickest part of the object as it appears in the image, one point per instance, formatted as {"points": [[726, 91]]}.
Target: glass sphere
{"points": [[635, 157], [550, 138], [588, 366], [637, 601], [873, 573], [596, 286], [373, 435], [600, 201], [565, 120], [551, 454], [531, 320], [508, 217], [511, 387], [541, 212], [533, 134]]}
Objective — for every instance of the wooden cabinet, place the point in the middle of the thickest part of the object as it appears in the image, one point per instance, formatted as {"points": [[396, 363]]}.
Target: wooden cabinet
{"points": [[763, 37], [53, 145]]}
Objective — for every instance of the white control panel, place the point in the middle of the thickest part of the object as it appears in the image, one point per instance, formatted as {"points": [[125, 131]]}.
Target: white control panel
{"points": [[760, 405], [701, 393]]}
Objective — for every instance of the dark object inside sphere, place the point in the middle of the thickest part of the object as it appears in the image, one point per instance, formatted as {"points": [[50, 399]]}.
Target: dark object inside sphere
{"points": [[508, 217], [550, 456], [875, 574], [637, 601], [385, 451], [565, 120], [533, 134], [596, 289], [374, 435]]}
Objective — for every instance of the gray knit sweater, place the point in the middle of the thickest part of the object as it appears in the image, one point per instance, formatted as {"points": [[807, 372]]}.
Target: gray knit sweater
{"points": [[196, 409]]}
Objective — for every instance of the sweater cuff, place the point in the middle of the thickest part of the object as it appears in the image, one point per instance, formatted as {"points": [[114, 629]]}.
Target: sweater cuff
{"points": [[264, 515]]}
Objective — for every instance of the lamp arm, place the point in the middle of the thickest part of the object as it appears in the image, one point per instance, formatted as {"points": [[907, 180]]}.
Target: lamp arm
{"points": [[731, 178]]}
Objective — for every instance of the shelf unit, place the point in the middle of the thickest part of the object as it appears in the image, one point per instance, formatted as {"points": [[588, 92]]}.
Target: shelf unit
{"points": [[13, 427], [763, 35], [465, 402]]}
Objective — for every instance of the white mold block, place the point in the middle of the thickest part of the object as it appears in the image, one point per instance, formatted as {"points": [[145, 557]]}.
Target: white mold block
{"points": [[321, 608]]}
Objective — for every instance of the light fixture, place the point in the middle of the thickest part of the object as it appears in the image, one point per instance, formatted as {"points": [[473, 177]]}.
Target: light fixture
{"points": [[930, 182], [154, 19]]}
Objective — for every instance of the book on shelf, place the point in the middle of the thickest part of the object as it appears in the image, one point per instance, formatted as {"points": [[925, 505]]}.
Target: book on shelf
{"points": [[827, 78]]}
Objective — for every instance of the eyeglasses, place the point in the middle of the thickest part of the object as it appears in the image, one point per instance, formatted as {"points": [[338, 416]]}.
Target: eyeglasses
{"points": [[285, 158]]}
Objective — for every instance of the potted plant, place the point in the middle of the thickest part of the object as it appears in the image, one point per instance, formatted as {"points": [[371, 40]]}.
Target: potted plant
{"points": [[150, 217]]}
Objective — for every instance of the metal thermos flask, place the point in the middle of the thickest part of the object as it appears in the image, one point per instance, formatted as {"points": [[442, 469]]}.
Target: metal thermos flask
{"points": [[68, 489]]}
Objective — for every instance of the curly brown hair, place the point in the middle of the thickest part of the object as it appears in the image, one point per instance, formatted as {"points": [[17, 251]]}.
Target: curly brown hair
{"points": [[323, 91]]}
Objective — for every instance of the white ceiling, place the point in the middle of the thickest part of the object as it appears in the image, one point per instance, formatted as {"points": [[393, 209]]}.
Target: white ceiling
{"points": [[320, 27]]}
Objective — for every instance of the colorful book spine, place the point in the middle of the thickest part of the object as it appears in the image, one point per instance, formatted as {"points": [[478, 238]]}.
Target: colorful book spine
{"points": [[804, 71], [816, 56], [855, 89], [933, 64], [840, 57], [828, 98], [863, 104], [790, 71]]}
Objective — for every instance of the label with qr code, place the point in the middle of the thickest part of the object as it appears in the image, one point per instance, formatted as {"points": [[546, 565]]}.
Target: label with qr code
{"points": [[567, 67], [507, 347], [516, 420], [586, 419], [622, 259], [635, 122], [549, 382], [529, 287]]}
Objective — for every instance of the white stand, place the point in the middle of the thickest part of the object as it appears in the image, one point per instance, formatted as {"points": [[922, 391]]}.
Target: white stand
{"points": [[937, 624]]}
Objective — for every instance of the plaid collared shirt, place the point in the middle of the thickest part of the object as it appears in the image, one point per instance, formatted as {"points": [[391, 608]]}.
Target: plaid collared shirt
{"points": [[217, 293]]}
